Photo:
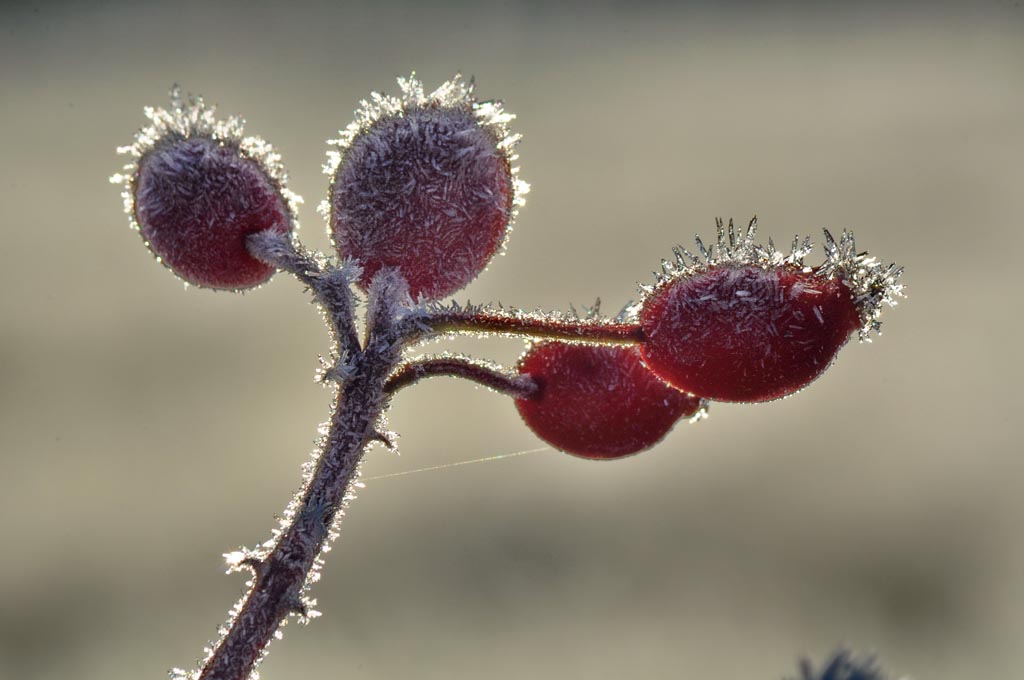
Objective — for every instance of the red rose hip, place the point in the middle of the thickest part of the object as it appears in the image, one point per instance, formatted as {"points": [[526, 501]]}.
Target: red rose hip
{"points": [[599, 401], [746, 333], [197, 188], [424, 184], [748, 325]]}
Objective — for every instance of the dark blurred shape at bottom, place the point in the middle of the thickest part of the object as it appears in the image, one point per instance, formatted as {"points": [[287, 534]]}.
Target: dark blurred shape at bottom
{"points": [[843, 666]]}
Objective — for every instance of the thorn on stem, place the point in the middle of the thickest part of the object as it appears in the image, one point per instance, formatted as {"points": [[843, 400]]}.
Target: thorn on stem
{"points": [[296, 606], [257, 566], [385, 438]]}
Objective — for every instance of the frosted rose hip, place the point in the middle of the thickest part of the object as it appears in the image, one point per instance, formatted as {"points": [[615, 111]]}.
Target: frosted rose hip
{"points": [[196, 188], [747, 333], [196, 201], [598, 401], [424, 184], [746, 324]]}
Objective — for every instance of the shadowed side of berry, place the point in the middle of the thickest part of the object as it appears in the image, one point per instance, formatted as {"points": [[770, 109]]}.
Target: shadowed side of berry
{"points": [[599, 401]]}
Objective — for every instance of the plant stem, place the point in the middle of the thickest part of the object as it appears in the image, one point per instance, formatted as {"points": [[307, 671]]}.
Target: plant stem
{"points": [[280, 577], [330, 284], [518, 386], [537, 326]]}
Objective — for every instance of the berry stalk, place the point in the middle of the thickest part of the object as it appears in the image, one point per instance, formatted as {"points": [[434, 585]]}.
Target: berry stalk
{"points": [[518, 386], [535, 326], [330, 284]]}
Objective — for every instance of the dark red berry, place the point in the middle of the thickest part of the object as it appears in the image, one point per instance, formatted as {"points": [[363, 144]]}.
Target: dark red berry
{"points": [[746, 324], [599, 401], [746, 333], [424, 184], [196, 200], [197, 188]]}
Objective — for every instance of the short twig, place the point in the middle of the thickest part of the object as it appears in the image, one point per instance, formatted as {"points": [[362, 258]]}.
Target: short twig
{"points": [[518, 386], [533, 325], [329, 283]]}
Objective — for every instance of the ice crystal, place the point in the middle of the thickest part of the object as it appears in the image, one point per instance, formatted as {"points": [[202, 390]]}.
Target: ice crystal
{"points": [[190, 117], [425, 183], [196, 186], [743, 322], [732, 247], [870, 282], [453, 94]]}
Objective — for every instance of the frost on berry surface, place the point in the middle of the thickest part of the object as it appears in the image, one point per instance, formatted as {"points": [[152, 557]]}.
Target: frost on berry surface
{"points": [[742, 322], [426, 184], [196, 186], [599, 401]]}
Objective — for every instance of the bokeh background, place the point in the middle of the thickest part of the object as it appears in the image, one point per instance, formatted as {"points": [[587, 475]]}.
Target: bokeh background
{"points": [[145, 429]]}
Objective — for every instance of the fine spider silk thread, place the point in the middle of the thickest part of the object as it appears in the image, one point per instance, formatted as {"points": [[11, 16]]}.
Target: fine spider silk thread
{"points": [[458, 464]]}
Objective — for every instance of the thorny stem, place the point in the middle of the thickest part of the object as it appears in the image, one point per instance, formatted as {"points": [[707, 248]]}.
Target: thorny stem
{"points": [[518, 386], [537, 326], [280, 577]]}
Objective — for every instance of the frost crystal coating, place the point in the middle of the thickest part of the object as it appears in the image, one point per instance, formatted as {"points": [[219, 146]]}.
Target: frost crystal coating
{"points": [[424, 184], [742, 322], [196, 187], [871, 282]]}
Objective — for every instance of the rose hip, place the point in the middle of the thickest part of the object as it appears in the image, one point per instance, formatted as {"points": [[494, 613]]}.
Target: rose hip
{"points": [[599, 401], [424, 184], [746, 333], [746, 324], [196, 187], [195, 202]]}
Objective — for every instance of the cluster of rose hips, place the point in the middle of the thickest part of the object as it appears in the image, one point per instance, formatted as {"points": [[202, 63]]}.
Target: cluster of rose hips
{"points": [[423, 184]]}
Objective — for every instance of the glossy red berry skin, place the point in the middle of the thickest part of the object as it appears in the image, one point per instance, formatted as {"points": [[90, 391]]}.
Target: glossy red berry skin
{"points": [[599, 401], [429, 193], [746, 333], [195, 201]]}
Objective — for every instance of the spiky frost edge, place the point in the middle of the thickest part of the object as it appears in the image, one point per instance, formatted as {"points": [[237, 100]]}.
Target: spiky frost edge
{"points": [[250, 559], [246, 559], [871, 282], [452, 94], [190, 117]]}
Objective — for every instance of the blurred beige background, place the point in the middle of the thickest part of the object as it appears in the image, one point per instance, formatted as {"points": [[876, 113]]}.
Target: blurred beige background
{"points": [[146, 429]]}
